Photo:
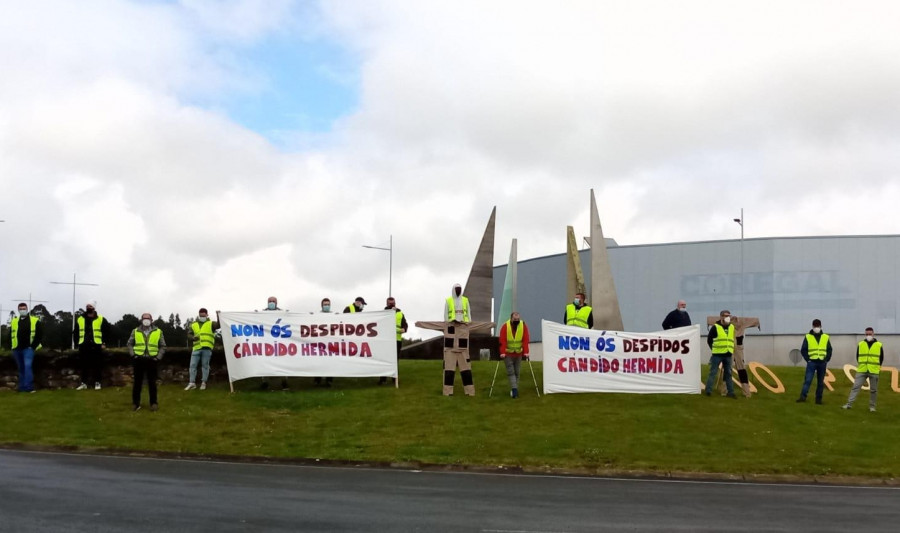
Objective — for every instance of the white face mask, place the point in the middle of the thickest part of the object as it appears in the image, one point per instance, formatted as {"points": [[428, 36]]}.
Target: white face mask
{"points": [[817, 330], [202, 318], [683, 309], [146, 322], [727, 320], [23, 312], [870, 338]]}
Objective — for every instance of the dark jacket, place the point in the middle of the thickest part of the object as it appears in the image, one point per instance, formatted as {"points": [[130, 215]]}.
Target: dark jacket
{"points": [[804, 348], [676, 319]]}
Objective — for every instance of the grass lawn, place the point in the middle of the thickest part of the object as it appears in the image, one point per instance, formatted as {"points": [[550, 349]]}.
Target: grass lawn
{"points": [[359, 421]]}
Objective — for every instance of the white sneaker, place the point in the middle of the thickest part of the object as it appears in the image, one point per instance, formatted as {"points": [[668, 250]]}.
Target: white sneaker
{"points": [[97, 386], [190, 386], [871, 409], [81, 387], [845, 406], [203, 386]]}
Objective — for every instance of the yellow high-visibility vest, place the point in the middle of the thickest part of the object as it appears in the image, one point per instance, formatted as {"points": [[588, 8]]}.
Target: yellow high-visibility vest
{"points": [[514, 340], [867, 358], [724, 342], [14, 329], [399, 316], [203, 334], [578, 317], [98, 335], [451, 309], [150, 346], [817, 350]]}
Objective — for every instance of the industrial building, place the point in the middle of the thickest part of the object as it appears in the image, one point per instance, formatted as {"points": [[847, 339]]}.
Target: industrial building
{"points": [[849, 282]]}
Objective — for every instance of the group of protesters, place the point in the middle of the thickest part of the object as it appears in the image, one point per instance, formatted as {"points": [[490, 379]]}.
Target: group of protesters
{"points": [[146, 345], [815, 349]]}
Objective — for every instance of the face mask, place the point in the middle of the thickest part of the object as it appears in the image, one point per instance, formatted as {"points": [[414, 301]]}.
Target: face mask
{"points": [[91, 312], [576, 301], [727, 320], [515, 322], [146, 322], [682, 309], [817, 330], [458, 291], [202, 318], [23, 312], [870, 338], [326, 308], [271, 306]]}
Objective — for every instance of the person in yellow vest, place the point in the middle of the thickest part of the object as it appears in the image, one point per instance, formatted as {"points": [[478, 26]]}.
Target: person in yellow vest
{"points": [[357, 306], [869, 356], [816, 350], [90, 335], [401, 326], [721, 344], [579, 314], [514, 341], [202, 334], [146, 346], [26, 332], [456, 307]]}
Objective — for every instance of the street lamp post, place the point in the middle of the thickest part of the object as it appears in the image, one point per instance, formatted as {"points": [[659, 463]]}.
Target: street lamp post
{"points": [[390, 250], [741, 222], [74, 284]]}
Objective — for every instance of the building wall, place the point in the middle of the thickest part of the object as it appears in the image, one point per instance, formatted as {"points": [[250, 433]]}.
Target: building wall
{"points": [[847, 282]]}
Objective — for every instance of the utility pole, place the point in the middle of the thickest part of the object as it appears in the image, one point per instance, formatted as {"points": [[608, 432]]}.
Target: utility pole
{"points": [[74, 283], [741, 222]]}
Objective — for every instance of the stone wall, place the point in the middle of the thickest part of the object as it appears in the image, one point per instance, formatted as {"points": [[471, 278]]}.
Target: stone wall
{"points": [[60, 370]]}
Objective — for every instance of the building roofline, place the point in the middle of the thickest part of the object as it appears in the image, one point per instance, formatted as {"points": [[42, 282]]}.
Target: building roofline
{"points": [[682, 243]]}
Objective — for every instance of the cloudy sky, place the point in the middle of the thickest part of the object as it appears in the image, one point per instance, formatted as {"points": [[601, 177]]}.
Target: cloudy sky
{"points": [[211, 153]]}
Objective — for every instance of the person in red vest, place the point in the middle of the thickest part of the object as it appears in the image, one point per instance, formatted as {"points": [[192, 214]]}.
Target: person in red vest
{"points": [[513, 349]]}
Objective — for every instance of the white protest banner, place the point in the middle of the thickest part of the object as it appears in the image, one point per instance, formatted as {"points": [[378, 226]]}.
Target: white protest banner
{"points": [[587, 360], [276, 343]]}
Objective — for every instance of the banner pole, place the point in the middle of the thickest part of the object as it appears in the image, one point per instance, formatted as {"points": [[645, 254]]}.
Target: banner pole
{"points": [[534, 378]]}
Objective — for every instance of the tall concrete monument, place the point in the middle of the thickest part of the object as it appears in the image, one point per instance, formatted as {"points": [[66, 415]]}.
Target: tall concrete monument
{"points": [[481, 278], [604, 299]]}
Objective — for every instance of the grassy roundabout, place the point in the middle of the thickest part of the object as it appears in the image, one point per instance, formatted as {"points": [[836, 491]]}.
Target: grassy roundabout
{"points": [[358, 421]]}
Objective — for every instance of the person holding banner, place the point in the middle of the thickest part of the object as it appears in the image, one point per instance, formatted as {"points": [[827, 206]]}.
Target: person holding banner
{"points": [[816, 350], [202, 334], [402, 326], [272, 305], [721, 343], [326, 308], [146, 346], [579, 314], [357, 306], [514, 341], [869, 357]]}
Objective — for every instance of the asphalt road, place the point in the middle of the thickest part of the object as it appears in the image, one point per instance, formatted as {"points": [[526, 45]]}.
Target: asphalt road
{"points": [[65, 492]]}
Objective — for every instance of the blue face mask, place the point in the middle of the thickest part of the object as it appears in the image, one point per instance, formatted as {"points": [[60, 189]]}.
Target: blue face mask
{"points": [[326, 308], [576, 301], [272, 306]]}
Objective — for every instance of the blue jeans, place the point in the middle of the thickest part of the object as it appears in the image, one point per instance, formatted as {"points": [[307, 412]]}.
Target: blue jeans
{"points": [[24, 359], [196, 356], [714, 363], [817, 368]]}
